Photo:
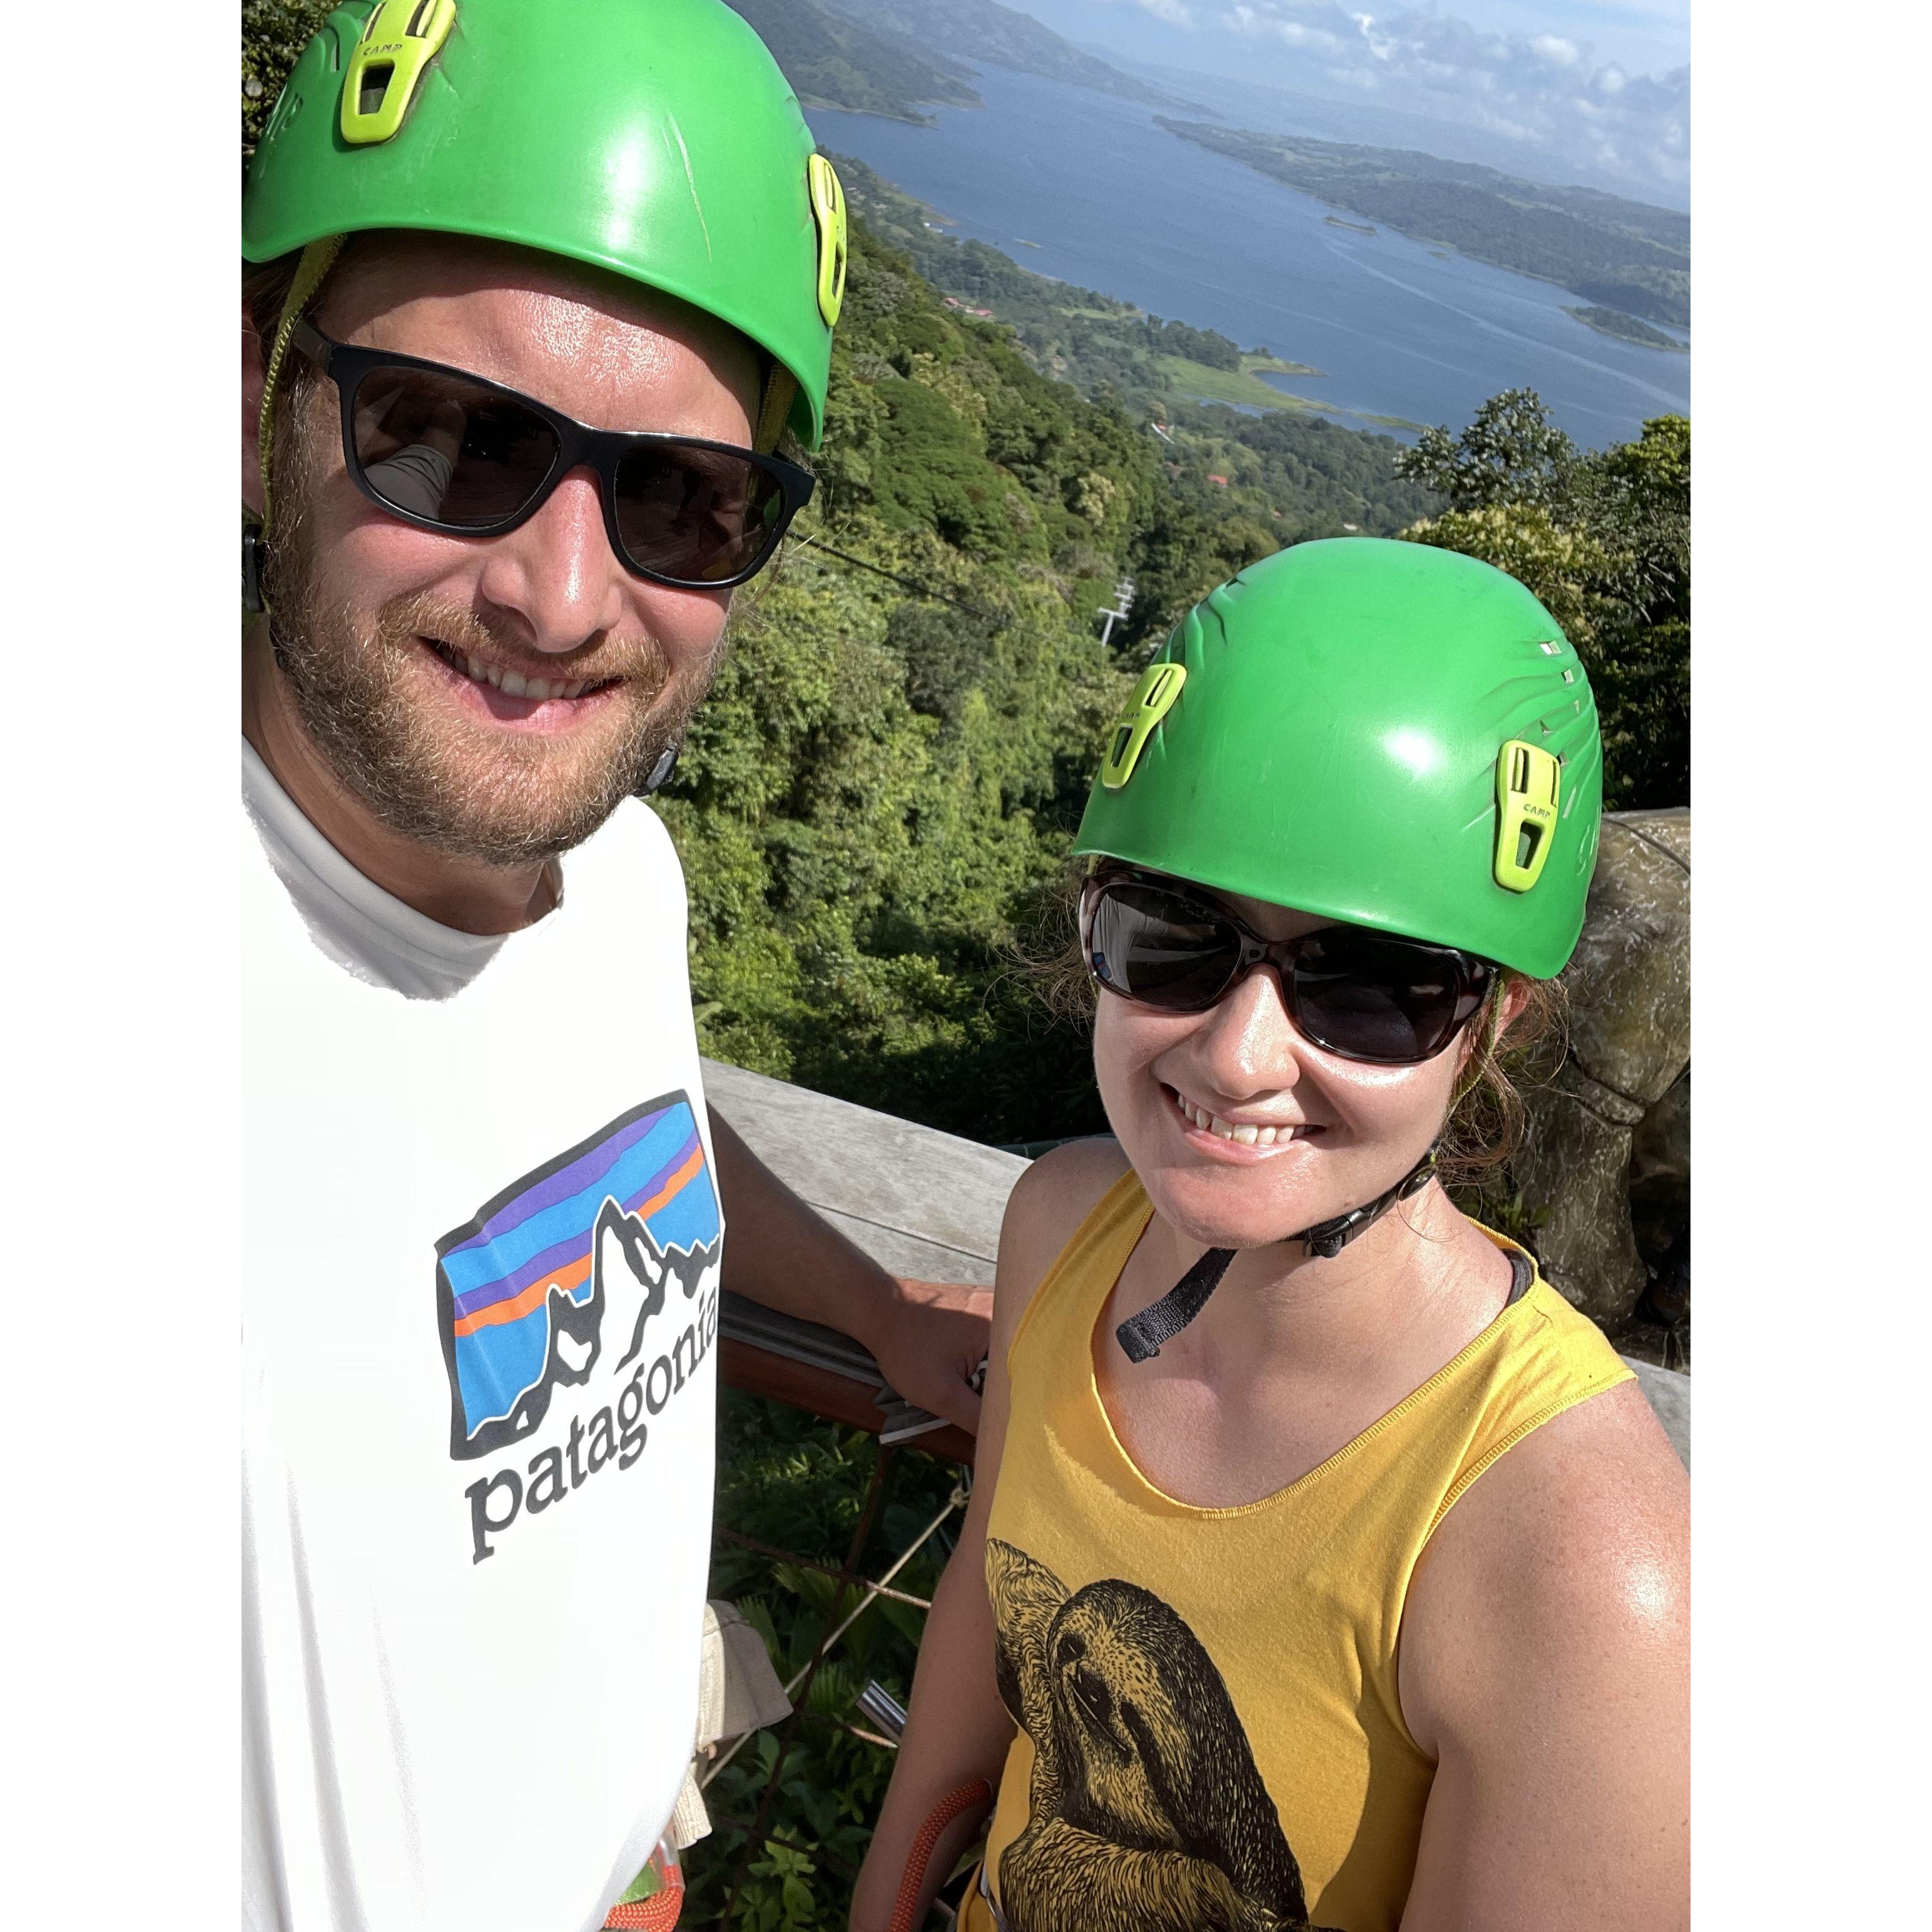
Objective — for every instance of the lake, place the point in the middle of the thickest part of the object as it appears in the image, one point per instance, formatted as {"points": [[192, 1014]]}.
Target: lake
{"points": [[1114, 203]]}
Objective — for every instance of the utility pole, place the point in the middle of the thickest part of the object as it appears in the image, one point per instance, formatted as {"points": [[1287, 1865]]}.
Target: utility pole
{"points": [[1123, 602]]}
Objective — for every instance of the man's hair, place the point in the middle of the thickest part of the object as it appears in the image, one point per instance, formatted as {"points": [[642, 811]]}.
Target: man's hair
{"points": [[265, 294]]}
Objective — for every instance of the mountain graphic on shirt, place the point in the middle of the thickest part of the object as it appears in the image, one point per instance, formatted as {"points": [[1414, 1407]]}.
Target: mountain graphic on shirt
{"points": [[556, 1278]]}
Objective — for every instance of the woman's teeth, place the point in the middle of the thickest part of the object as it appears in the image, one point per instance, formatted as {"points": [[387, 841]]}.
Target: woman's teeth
{"points": [[1226, 1130], [512, 684]]}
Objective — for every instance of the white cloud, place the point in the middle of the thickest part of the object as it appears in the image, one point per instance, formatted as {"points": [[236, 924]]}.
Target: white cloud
{"points": [[1546, 89]]}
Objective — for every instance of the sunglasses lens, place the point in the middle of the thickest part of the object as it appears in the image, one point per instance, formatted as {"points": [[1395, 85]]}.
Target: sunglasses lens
{"points": [[697, 515], [1156, 947], [434, 446], [1369, 998]]}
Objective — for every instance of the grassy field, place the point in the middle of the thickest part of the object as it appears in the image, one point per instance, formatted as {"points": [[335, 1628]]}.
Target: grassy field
{"points": [[1243, 387]]}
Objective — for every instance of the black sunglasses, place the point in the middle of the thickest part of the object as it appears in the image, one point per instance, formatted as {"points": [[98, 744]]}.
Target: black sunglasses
{"points": [[1360, 995], [448, 451]]}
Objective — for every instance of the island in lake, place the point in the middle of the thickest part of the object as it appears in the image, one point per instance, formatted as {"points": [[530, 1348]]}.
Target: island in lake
{"points": [[1609, 251], [1626, 328]]}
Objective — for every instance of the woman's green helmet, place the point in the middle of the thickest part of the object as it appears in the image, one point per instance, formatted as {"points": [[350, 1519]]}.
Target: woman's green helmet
{"points": [[1378, 732], [654, 138]]}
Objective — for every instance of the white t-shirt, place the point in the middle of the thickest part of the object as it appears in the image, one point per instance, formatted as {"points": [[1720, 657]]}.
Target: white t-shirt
{"points": [[481, 1249]]}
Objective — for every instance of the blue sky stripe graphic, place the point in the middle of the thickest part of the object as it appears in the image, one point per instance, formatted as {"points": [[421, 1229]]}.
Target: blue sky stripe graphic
{"points": [[470, 1268], [567, 1181]]}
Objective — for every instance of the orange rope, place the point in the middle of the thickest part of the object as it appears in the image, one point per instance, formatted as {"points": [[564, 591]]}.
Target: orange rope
{"points": [[949, 1808], [659, 1912]]}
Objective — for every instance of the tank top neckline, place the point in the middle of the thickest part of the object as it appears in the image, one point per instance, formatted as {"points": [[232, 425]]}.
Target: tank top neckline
{"points": [[1118, 1202]]}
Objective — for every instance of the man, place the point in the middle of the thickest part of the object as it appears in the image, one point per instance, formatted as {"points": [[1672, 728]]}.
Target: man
{"points": [[537, 291]]}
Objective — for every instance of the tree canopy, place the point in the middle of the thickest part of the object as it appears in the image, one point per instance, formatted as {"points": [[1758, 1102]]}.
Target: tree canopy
{"points": [[1603, 537]]}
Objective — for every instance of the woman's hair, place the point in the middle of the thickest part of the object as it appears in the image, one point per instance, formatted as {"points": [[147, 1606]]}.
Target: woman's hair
{"points": [[1486, 1115]]}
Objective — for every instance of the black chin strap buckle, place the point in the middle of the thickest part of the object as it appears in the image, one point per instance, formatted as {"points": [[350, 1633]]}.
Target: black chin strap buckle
{"points": [[1327, 1239], [254, 557], [1141, 1336], [660, 774]]}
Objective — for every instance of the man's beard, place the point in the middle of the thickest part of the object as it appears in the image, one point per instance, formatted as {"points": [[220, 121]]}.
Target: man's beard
{"points": [[467, 790]]}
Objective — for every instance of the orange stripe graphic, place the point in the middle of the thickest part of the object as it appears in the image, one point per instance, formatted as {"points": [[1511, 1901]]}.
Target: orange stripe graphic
{"points": [[518, 1306], [695, 1165], [534, 1297]]}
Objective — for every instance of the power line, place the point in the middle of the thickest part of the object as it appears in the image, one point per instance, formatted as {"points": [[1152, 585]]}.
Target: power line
{"points": [[892, 576]]}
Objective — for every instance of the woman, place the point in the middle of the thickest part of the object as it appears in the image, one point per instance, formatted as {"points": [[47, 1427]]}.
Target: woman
{"points": [[1323, 1566]]}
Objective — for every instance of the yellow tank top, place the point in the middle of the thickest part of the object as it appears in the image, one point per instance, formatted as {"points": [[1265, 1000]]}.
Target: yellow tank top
{"points": [[1209, 1734]]}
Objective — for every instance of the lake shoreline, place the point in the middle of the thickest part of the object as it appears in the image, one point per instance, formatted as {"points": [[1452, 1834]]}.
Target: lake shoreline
{"points": [[1116, 205]]}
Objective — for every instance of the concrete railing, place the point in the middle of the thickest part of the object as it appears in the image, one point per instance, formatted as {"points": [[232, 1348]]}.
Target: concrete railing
{"points": [[920, 1202]]}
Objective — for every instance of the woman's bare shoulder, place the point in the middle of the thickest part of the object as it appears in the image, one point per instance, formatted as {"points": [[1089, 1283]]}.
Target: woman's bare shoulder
{"points": [[1580, 1533], [1544, 1665], [1049, 1202]]}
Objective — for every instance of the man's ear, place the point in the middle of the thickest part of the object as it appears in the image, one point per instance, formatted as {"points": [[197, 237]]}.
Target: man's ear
{"points": [[254, 381]]}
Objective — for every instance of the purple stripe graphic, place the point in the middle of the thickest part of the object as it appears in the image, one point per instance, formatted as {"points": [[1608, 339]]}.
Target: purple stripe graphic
{"points": [[562, 1184], [555, 1257]]}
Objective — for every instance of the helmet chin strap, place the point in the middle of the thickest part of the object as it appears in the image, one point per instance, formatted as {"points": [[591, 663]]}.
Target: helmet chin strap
{"points": [[1142, 1336]]}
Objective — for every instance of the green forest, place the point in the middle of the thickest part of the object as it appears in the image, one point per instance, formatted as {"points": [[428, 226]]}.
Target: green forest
{"points": [[1625, 254], [878, 798], [835, 62], [983, 30], [894, 57]]}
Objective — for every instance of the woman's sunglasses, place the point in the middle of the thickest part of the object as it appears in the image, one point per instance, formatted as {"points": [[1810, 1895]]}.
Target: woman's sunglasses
{"points": [[448, 451], [1360, 995]]}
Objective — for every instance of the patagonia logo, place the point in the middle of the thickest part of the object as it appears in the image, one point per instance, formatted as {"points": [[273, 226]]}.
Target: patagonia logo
{"points": [[598, 1272]]}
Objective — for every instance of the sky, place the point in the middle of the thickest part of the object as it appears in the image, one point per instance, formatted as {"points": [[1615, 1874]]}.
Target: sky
{"points": [[1604, 84]]}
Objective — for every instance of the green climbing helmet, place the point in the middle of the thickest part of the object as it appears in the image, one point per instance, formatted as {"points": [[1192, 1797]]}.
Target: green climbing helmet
{"points": [[655, 138], [1378, 732]]}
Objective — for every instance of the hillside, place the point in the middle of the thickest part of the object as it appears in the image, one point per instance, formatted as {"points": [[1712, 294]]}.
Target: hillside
{"points": [[982, 30], [1161, 368], [1622, 254], [878, 798], [836, 62]]}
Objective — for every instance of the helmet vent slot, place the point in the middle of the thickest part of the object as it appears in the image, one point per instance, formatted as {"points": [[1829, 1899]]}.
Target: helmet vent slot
{"points": [[375, 85]]}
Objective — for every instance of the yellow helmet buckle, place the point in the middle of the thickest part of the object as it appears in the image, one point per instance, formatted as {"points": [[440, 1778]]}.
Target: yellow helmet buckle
{"points": [[1529, 781], [387, 64], [1153, 698], [828, 209]]}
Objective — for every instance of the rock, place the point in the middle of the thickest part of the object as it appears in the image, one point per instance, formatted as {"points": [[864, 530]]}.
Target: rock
{"points": [[1615, 1117]]}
